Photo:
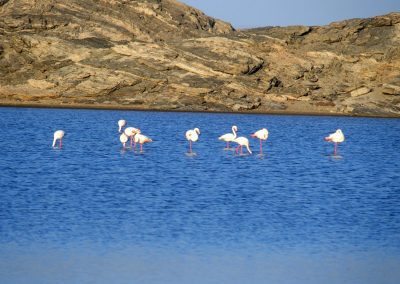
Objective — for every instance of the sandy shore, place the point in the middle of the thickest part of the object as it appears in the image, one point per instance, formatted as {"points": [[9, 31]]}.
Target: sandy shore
{"points": [[142, 108]]}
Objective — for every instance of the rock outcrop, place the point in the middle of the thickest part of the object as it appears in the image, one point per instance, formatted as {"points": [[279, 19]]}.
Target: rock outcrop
{"points": [[162, 54]]}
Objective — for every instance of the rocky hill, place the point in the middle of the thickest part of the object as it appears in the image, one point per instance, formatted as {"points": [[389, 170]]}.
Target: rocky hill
{"points": [[162, 54]]}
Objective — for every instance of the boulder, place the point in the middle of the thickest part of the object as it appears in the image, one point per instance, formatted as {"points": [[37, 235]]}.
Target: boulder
{"points": [[389, 89], [41, 84], [360, 91], [274, 82]]}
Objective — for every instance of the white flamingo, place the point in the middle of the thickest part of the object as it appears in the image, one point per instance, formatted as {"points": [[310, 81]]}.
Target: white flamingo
{"points": [[58, 135], [242, 141], [121, 124], [261, 134], [337, 137], [123, 138], [229, 137], [130, 132], [141, 139], [192, 136]]}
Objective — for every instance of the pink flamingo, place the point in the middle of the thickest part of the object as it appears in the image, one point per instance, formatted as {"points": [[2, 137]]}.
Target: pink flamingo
{"points": [[123, 138], [58, 135], [130, 132], [192, 136], [337, 137], [141, 139], [229, 137], [242, 141], [261, 134]]}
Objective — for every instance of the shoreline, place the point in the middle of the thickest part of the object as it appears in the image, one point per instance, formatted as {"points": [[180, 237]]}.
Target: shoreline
{"points": [[130, 108]]}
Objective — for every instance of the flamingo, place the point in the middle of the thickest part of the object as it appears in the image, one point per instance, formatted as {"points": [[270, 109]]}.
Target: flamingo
{"points": [[336, 138], [130, 132], [58, 135], [123, 138], [261, 134], [192, 136], [141, 139], [229, 137], [242, 141], [121, 124]]}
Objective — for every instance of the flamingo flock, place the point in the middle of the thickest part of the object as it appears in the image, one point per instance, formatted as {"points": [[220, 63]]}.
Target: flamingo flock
{"points": [[135, 136]]}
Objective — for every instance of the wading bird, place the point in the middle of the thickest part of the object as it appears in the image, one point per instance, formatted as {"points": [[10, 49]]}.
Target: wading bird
{"points": [[229, 137], [261, 134], [141, 139], [192, 136], [58, 135], [242, 141], [123, 138], [130, 132], [336, 138]]}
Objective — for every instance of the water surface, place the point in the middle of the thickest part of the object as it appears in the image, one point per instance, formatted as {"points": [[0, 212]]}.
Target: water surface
{"points": [[94, 213]]}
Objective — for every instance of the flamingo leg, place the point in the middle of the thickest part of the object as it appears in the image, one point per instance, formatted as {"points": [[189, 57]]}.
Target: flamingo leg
{"points": [[134, 145], [261, 146], [131, 140], [241, 149], [141, 147], [60, 143], [227, 144], [190, 146], [335, 149]]}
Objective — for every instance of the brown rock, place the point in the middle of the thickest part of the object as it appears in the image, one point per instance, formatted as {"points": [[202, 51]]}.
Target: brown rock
{"points": [[166, 55], [360, 91], [389, 89], [41, 84]]}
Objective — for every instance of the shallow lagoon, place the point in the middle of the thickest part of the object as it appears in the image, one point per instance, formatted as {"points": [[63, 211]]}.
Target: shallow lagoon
{"points": [[92, 212]]}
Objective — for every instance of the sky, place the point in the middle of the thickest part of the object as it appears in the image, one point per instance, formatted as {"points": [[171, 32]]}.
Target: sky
{"points": [[261, 13]]}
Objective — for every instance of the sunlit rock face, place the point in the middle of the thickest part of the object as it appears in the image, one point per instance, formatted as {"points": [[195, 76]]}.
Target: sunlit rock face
{"points": [[169, 56]]}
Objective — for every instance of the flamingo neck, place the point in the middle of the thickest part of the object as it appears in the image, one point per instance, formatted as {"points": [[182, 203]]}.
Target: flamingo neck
{"points": [[248, 148]]}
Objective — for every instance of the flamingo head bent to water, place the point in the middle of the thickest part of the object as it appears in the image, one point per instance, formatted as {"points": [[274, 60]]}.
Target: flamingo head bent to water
{"points": [[123, 138], [142, 139], [58, 135], [121, 124], [261, 134], [242, 141], [130, 132]]}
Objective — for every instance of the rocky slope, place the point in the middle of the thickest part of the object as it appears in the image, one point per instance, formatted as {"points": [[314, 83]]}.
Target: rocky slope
{"points": [[164, 55]]}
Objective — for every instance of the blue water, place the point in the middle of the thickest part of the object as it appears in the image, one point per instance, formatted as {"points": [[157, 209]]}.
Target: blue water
{"points": [[95, 213]]}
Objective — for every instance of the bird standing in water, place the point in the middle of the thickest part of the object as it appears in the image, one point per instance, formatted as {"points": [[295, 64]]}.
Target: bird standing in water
{"points": [[337, 137], [130, 132], [192, 136], [141, 139], [123, 138], [242, 141], [58, 135], [261, 134], [229, 137]]}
